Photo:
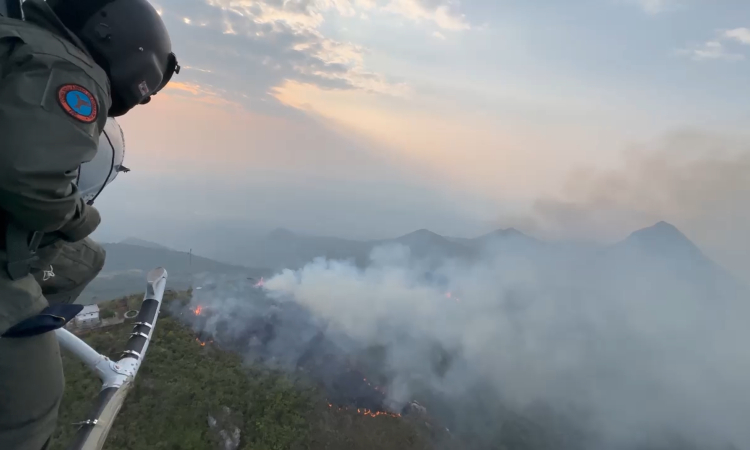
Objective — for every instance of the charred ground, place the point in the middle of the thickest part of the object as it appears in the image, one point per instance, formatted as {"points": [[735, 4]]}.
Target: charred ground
{"points": [[187, 394]]}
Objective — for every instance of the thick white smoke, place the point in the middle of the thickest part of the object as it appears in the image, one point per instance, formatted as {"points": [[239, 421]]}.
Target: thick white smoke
{"points": [[636, 350], [698, 181]]}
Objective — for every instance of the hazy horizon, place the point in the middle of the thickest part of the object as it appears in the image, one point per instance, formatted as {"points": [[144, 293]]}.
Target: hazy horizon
{"points": [[189, 239], [373, 118]]}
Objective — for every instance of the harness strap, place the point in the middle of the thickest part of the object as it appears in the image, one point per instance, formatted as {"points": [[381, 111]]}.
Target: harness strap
{"points": [[20, 246]]}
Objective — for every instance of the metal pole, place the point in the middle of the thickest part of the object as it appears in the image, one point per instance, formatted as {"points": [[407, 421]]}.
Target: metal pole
{"points": [[117, 377]]}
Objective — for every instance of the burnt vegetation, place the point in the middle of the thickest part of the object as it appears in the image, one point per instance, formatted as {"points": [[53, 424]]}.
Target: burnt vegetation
{"points": [[185, 390], [232, 368]]}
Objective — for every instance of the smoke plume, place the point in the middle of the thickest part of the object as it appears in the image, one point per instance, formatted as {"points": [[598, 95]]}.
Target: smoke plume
{"points": [[698, 181], [553, 347]]}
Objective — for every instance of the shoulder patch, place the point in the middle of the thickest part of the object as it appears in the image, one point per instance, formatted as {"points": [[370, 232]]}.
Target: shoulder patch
{"points": [[78, 102]]}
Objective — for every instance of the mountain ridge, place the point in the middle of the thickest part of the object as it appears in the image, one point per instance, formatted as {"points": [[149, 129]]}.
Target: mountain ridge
{"points": [[126, 264], [665, 246], [142, 243], [283, 248]]}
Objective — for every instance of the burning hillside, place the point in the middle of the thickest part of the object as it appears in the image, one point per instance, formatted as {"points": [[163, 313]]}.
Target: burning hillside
{"points": [[544, 344], [265, 338], [365, 411]]}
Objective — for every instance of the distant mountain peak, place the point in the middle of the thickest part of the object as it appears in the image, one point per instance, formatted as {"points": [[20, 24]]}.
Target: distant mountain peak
{"points": [[661, 230], [143, 243], [422, 232], [665, 226], [507, 232], [666, 239], [281, 233], [422, 235]]}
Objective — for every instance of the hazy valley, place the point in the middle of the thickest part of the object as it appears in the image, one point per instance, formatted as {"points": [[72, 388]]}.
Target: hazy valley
{"points": [[501, 337]]}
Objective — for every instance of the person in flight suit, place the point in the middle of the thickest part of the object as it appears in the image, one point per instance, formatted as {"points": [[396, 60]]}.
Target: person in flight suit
{"points": [[64, 269], [65, 67]]}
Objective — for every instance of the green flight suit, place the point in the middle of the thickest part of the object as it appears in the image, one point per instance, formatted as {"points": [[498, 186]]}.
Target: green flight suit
{"points": [[64, 269], [53, 106]]}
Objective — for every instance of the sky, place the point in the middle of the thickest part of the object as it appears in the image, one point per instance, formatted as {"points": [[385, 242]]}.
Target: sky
{"points": [[373, 118]]}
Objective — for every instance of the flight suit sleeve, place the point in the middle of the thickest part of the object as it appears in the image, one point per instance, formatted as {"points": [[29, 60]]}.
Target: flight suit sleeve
{"points": [[51, 115]]}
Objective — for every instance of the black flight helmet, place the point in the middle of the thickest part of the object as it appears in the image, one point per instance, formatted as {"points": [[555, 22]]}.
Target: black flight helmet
{"points": [[129, 40]]}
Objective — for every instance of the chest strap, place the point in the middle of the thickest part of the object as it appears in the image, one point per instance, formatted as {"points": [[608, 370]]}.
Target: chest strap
{"points": [[20, 247]]}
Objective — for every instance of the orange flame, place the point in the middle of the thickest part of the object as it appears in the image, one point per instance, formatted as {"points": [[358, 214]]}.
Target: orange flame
{"points": [[198, 309], [449, 295], [366, 412], [203, 344]]}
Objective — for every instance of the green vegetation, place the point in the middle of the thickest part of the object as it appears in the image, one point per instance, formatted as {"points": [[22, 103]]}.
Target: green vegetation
{"points": [[182, 382], [119, 306]]}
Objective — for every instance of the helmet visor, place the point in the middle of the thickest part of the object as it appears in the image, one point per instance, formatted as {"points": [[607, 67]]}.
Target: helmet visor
{"points": [[172, 68]]}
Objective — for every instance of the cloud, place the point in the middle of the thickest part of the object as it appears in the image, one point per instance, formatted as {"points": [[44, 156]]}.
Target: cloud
{"points": [[251, 47], [442, 12], [196, 68], [201, 93], [717, 48], [712, 50], [438, 35], [299, 15], [741, 35], [248, 47], [654, 7]]}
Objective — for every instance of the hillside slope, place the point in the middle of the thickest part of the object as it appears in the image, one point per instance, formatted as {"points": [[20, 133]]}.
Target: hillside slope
{"points": [[184, 387], [127, 264]]}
